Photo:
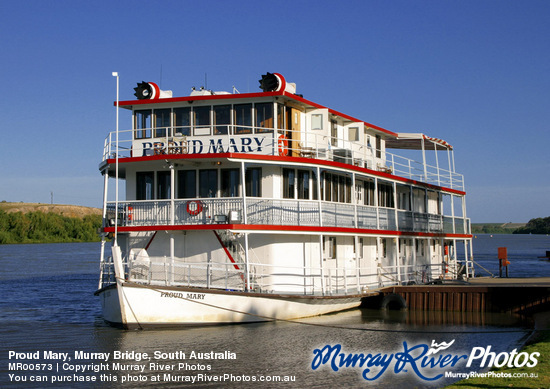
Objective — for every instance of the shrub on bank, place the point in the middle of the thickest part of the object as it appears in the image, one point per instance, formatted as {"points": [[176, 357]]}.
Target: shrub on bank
{"points": [[40, 227]]}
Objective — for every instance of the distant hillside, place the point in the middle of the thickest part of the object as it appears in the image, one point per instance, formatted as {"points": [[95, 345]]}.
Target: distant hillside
{"points": [[48, 223], [496, 228], [60, 209]]}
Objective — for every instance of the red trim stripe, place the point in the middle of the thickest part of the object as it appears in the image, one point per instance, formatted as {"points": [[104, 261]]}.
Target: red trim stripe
{"points": [[129, 103], [263, 227]]}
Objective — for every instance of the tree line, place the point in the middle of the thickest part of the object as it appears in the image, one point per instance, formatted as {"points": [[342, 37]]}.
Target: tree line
{"points": [[40, 227], [540, 225]]}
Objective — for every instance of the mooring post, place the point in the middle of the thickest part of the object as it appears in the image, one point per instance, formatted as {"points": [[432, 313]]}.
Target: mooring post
{"points": [[503, 260]]}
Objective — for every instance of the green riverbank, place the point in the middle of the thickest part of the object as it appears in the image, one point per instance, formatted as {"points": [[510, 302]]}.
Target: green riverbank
{"points": [[520, 377], [44, 223]]}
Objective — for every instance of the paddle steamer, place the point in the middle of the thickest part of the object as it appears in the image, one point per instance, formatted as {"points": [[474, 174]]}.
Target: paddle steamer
{"points": [[242, 207]]}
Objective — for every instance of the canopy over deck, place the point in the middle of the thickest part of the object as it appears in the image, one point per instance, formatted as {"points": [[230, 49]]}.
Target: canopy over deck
{"points": [[411, 141]]}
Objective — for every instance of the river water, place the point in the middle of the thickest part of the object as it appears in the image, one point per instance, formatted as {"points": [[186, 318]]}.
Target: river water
{"points": [[48, 307]]}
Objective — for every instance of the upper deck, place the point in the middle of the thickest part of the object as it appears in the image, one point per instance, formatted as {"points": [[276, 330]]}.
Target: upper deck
{"points": [[274, 125]]}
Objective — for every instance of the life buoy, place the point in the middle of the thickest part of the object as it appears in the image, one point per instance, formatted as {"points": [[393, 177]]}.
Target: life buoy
{"points": [[283, 145], [194, 207], [130, 213]]}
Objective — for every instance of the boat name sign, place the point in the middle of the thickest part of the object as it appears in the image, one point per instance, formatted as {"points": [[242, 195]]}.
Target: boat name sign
{"points": [[190, 296], [257, 144]]}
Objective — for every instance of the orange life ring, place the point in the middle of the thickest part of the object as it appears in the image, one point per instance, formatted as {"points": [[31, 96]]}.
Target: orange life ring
{"points": [[283, 145], [130, 213], [194, 207]]}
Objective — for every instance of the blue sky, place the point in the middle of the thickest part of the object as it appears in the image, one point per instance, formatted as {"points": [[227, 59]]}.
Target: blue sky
{"points": [[475, 73]]}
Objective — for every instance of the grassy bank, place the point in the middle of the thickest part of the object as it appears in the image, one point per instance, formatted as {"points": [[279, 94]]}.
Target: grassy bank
{"points": [[495, 228], [43, 223], [535, 377]]}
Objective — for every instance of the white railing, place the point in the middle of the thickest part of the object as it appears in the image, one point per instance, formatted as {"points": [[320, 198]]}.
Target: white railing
{"points": [[287, 212], [313, 145], [161, 271], [282, 212]]}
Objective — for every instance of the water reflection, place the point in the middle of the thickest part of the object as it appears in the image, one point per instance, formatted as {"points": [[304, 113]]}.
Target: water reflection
{"points": [[286, 348]]}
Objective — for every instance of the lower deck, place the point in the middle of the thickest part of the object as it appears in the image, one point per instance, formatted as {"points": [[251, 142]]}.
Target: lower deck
{"points": [[281, 262]]}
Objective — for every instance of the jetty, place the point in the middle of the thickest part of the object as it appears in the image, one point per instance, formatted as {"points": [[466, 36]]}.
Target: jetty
{"points": [[481, 294]]}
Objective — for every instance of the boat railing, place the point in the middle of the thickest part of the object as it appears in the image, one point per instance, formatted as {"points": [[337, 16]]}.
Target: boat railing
{"points": [[281, 212], [276, 142], [107, 272], [409, 274], [264, 278]]}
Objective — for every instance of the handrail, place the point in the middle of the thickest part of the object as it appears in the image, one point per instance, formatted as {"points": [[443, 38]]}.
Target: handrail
{"points": [[318, 146], [269, 278], [287, 212]]}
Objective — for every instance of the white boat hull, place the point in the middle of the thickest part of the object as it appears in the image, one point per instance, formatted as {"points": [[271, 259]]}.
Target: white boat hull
{"points": [[136, 306]]}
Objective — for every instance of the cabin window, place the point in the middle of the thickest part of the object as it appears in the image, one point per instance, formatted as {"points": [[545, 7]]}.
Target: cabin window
{"points": [[335, 183], [187, 184], [316, 121], [264, 117], [368, 187], [253, 182], [289, 179], [314, 186], [162, 122], [326, 186], [353, 134], [208, 183], [303, 184], [419, 200], [358, 192], [163, 185], [385, 195], [144, 185], [342, 185], [336, 188], [329, 187], [296, 184], [361, 244], [222, 119], [280, 116], [378, 146], [434, 203], [243, 118], [182, 121], [230, 183], [344, 189], [333, 133], [404, 197], [420, 247], [330, 247], [142, 124], [201, 122]]}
